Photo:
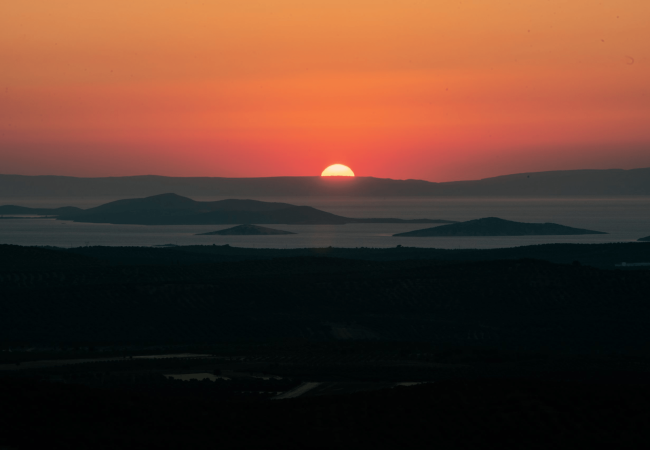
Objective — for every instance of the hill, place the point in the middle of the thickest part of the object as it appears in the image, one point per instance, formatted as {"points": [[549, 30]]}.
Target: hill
{"points": [[645, 239], [172, 209], [493, 226], [246, 230], [569, 183], [176, 203]]}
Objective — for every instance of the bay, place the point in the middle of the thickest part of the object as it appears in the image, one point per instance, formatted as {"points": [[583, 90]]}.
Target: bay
{"points": [[625, 219]]}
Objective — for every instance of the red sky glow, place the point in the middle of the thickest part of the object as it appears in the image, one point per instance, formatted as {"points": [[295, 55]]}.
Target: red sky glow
{"points": [[441, 91]]}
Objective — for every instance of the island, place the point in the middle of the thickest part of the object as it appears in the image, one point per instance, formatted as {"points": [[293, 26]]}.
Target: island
{"points": [[173, 209], [645, 239], [246, 230], [494, 226]]}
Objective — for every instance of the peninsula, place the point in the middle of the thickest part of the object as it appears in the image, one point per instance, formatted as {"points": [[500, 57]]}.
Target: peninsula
{"points": [[493, 226], [246, 230], [24, 210], [173, 209]]}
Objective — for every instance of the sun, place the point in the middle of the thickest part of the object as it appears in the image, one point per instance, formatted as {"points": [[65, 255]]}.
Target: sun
{"points": [[337, 170]]}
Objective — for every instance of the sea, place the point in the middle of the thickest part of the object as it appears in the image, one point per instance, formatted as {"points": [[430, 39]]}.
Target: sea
{"points": [[624, 219]]}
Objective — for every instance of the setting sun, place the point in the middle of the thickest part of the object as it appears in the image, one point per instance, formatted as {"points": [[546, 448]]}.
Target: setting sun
{"points": [[337, 170]]}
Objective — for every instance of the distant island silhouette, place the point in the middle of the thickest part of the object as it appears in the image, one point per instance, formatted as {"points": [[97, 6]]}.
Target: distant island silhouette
{"points": [[246, 230], [645, 239], [565, 183], [173, 209], [493, 226]]}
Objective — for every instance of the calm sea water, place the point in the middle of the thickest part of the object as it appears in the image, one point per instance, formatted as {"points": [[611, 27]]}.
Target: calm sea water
{"points": [[625, 219]]}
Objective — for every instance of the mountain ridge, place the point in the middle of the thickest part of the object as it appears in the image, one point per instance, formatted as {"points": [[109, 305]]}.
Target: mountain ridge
{"points": [[587, 182]]}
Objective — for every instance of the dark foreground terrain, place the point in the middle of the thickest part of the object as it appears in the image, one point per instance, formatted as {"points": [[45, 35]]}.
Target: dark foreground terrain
{"points": [[501, 413], [533, 347]]}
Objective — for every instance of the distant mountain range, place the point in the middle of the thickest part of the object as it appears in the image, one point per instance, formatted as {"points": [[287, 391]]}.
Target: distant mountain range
{"points": [[569, 183], [172, 209], [493, 226]]}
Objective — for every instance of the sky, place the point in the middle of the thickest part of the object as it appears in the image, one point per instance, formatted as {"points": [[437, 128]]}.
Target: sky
{"points": [[432, 89]]}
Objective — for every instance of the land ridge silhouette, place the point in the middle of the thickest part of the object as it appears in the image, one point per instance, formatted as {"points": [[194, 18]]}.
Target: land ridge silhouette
{"points": [[588, 182]]}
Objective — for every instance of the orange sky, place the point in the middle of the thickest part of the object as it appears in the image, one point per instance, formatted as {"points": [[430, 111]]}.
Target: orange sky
{"points": [[430, 89]]}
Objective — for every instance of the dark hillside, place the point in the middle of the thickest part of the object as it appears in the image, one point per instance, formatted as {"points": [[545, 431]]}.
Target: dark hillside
{"points": [[517, 304], [174, 202], [598, 255], [104, 347], [162, 202]]}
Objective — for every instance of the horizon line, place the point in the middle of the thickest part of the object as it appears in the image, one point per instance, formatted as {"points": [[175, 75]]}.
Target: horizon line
{"points": [[319, 176]]}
